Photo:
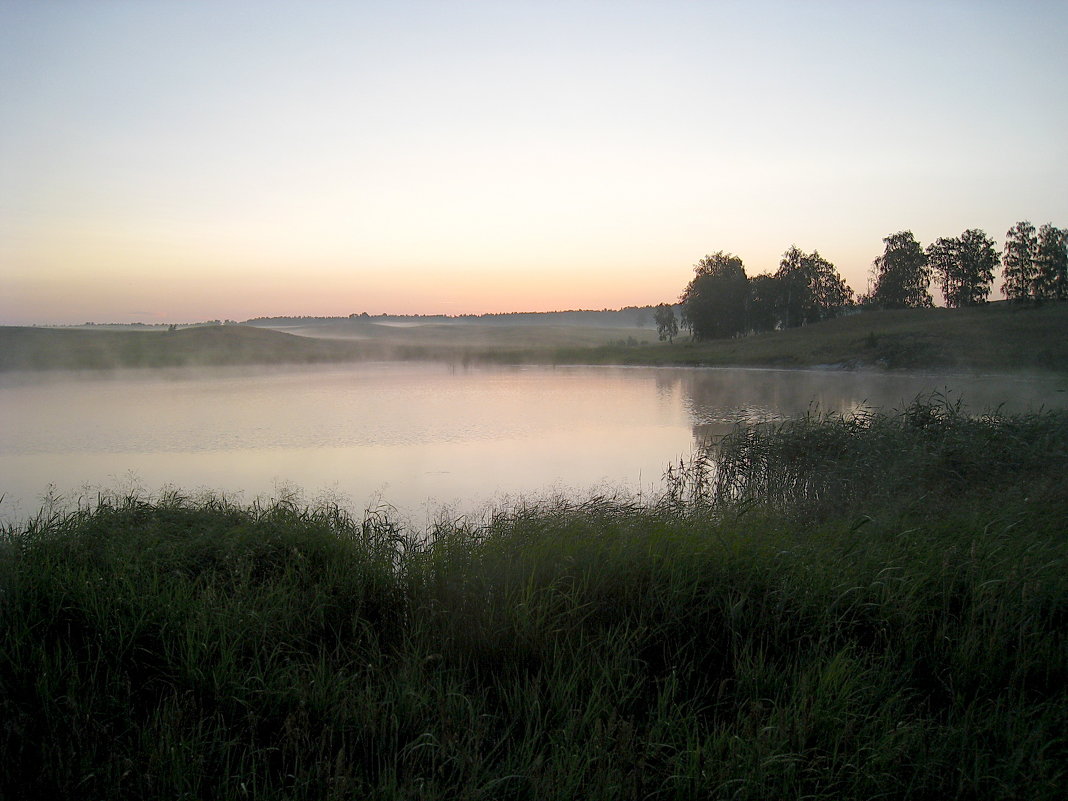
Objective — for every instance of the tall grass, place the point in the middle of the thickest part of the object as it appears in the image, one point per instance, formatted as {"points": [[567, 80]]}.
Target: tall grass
{"points": [[929, 453], [875, 645]]}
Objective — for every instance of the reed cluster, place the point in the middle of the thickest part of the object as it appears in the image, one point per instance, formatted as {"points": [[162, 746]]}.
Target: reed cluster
{"points": [[871, 607]]}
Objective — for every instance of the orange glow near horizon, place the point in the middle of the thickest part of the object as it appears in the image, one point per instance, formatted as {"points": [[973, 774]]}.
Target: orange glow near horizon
{"points": [[192, 295], [180, 162]]}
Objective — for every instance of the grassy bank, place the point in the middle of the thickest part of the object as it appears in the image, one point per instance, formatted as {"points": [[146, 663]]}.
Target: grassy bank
{"points": [[995, 337], [886, 623], [998, 337]]}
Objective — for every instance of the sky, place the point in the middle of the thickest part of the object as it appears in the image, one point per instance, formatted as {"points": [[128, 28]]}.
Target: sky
{"points": [[195, 160]]}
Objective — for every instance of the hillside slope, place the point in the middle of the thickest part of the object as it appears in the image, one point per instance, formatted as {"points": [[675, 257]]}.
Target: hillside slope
{"points": [[80, 349], [996, 337]]}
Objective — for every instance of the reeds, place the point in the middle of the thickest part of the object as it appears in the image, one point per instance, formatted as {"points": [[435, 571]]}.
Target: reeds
{"points": [[928, 453], [872, 647]]}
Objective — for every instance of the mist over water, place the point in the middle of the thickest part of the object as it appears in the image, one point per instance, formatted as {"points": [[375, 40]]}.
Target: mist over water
{"points": [[416, 436]]}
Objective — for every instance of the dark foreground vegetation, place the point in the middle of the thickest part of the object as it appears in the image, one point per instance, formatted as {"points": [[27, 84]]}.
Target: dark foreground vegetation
{"points": [[999, 337], [871, 607]]}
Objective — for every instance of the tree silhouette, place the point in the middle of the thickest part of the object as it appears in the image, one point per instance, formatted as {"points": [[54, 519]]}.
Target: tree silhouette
{"points": [[767, 302], [812, 287], [714, 302], [1051, 262], [902, 274], [1018, 263], [965, 266], [667, 325]]}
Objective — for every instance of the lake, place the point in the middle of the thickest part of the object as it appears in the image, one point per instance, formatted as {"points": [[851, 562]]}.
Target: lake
{"points": [[420, 437]]}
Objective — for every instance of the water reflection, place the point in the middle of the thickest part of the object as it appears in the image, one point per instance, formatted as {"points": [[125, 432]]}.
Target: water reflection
{"points": [[717, 400], [417, 436]]}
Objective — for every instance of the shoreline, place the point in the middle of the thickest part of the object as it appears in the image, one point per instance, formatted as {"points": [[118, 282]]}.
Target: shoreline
{"points": [[996, 339], [898, 608]]}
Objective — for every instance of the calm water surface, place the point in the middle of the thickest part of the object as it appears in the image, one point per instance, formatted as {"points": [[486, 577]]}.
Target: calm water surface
{"points": [[419, 437]]}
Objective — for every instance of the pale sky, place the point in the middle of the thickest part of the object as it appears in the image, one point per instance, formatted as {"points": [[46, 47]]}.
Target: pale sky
{"points": [[183, 161]]}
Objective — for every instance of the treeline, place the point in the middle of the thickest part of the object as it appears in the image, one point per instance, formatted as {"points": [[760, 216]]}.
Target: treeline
{"points": [[144, 326], [637, 316], [1035, 263], [722, 301]]}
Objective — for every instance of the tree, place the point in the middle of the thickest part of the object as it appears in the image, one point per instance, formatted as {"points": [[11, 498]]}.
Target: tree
{"points": [[1018, 263], [714, 302], [965, 266], [667, 325], [767, 302], [812, 287], [902, 274], [1051, 262]]}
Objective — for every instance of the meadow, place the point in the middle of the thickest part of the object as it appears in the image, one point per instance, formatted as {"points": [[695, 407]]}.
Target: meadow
{"points": [[871, 606], [994, 337]]}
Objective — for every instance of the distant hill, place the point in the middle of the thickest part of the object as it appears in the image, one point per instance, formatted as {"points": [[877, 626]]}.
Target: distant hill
{"points": [[91, 349], [630, 316], [995, 337]]}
